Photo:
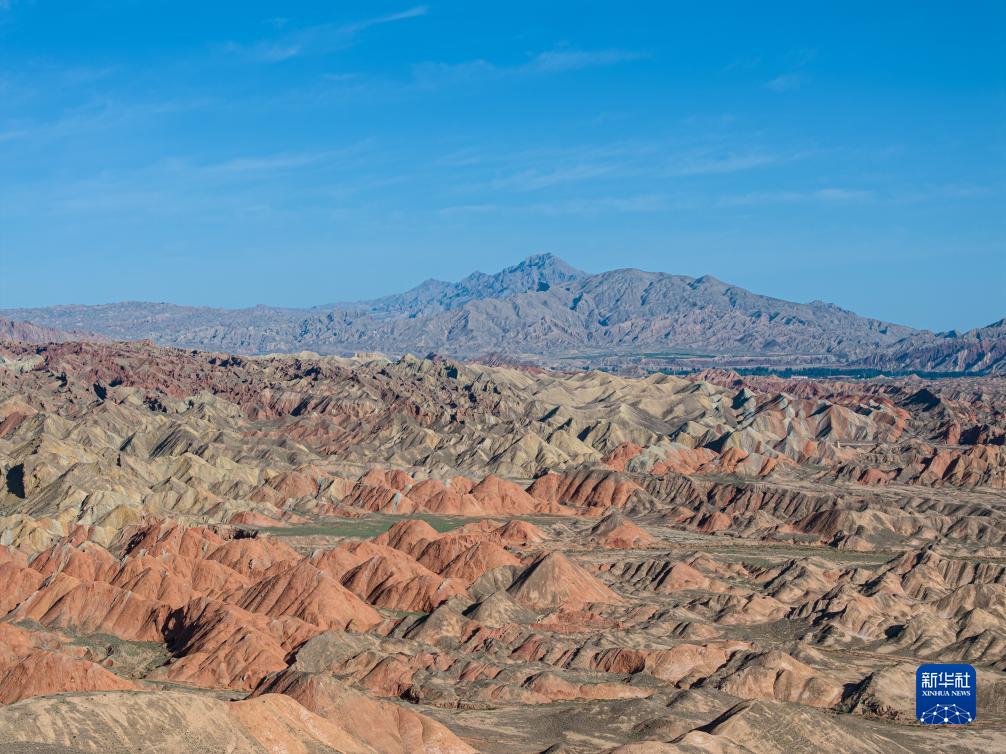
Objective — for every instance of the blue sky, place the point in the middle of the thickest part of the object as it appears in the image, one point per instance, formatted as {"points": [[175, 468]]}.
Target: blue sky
{"points": [[301, 153]]}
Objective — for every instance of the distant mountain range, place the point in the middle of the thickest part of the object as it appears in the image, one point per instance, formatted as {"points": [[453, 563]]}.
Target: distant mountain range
{"points": [[980, 350], [29, 332], [542, 310]]}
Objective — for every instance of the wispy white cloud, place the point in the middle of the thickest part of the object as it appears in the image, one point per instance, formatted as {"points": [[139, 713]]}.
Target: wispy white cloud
{"points": [[704, 163], [830, 194], [945, 192], [800, 58], [270, 165], [532, 180], [742, 64], [186, 185], [842, 194], [538, 169], [272, 52], [469, 209], [660, 202], [537, 157], [259, 164], [13, 134], [786, 83], [414, 12], [319, 39], [639, 203], [435, 74], [557, 60], [79, 75], [96, 116], [633, 204]]}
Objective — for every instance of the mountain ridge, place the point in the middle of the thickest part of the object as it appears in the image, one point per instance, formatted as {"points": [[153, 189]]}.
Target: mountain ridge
{"points": [[30, 332], [537, 272], [981, 349], [541, 307]]}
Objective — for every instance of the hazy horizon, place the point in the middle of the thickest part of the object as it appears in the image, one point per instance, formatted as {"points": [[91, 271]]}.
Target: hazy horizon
{"points": [[323, 304]]}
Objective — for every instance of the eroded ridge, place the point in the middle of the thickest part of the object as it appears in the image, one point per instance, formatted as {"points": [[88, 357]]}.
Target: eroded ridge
{"points": [[204, 552]]}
